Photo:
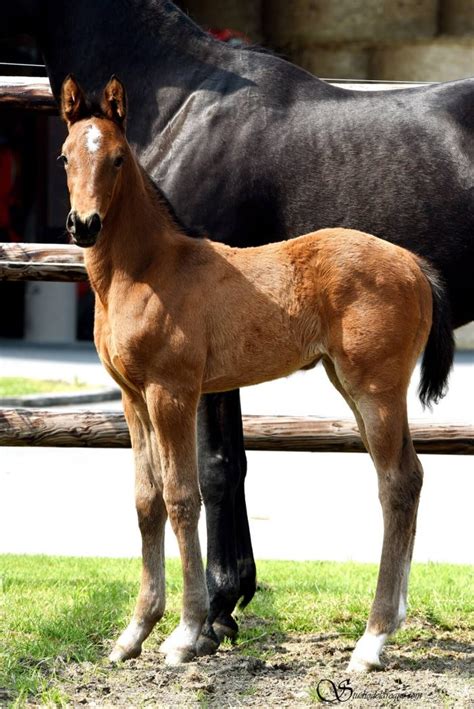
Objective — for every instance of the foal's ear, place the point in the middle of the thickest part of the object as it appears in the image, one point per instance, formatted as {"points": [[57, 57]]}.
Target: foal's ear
{"points": [[73, 102], [114, 102]]}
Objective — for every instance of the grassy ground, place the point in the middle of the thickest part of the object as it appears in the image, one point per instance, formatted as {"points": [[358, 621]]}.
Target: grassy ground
{"points": [[19, 386], [57, 611]]}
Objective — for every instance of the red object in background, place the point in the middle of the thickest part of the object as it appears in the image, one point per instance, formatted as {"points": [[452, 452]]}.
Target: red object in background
{"points": [[231, 36], [82, 288], [9, 171]]}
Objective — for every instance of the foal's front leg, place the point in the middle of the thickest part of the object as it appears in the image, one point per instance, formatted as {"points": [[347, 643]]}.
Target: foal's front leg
{"points": [[173, 414], [151, 514]]}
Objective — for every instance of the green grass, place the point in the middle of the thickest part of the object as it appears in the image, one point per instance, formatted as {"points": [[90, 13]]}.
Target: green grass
{"points": [[20, 386], [59, 610]]}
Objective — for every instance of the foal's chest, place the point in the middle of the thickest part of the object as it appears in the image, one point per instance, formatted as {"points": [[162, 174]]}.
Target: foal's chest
{"points": [[117, 350]]}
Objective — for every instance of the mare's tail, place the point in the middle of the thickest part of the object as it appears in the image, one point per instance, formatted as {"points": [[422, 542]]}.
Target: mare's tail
{"points": [[439, 351]]}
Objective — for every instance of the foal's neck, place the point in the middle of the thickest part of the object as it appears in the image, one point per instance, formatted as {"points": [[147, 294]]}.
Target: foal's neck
{"points": [[138, 232]]}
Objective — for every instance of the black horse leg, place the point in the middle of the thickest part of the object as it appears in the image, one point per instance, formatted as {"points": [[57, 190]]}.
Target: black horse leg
{"points": [[225, 625], [222, 466]]}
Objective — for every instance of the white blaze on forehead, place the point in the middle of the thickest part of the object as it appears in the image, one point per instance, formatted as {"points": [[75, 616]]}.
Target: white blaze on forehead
{"points": [[93, 138]]}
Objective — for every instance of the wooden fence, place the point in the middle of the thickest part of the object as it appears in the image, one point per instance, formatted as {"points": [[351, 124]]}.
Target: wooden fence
{"points": [[90, 429], [34, 93], [22, 427], [51, 262]]}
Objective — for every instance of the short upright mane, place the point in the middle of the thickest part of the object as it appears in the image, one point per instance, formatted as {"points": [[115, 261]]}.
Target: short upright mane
{"points": [[163, 199]]}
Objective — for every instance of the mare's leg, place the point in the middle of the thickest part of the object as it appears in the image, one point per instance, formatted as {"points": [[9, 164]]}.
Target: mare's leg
{"points": [[400, 477], [222, 467], [173, 414], [225, 625], [151, 513]]}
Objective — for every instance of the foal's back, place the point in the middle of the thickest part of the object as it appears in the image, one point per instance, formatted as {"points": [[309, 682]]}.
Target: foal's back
{"points": [[339, 293]]}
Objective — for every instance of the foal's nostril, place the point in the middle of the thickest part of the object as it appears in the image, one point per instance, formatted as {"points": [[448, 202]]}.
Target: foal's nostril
{"points": [[94, 224], [71, 223]]}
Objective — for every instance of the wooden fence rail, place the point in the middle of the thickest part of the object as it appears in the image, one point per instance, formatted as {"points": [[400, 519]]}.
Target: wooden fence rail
{"points": [[42, 262], [90, 429], [33, 93]]}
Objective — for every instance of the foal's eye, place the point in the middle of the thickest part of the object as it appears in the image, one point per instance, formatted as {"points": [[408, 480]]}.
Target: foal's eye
{"points": [[62, 158], [118, 162]]}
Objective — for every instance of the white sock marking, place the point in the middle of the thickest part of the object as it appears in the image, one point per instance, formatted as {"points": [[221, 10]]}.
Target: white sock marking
{"points": [[367, 651]]}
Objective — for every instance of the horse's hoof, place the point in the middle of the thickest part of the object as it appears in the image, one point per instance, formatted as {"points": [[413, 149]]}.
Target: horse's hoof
{"points": [[225, 631], [120, 654], [358, 664], [179, 656], [206, 645], [366, 654]]}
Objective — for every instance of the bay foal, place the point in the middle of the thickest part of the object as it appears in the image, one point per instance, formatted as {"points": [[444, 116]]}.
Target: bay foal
{"points": [[177, 317]]}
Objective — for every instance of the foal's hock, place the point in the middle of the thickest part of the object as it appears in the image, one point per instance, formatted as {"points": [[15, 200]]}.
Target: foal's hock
{"points": [[176, 317]]}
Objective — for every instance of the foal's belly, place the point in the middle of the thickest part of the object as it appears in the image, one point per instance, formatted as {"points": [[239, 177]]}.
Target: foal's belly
{"points": [[276, 363]]}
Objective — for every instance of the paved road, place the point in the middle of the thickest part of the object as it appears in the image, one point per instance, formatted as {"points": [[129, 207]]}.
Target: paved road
{"points": [[301, 505]]}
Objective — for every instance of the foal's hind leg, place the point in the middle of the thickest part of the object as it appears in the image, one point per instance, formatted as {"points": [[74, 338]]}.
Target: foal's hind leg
{"points": [[334, 379], [400, 477], [403, 601], [331, 372], [151, 519]]}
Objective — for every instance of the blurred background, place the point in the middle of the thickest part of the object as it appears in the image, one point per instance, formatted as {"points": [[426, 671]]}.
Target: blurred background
{"points": [[400, 40]]}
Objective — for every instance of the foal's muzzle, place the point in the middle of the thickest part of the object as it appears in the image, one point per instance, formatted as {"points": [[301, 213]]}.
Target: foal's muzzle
{"points": [[83, 233]]}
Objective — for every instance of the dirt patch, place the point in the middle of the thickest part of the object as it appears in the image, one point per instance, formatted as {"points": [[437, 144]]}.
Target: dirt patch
{"points": [[283, 672]]}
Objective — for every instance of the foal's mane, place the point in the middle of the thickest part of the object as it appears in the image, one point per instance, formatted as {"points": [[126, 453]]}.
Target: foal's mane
{"points": [[195, 232]]}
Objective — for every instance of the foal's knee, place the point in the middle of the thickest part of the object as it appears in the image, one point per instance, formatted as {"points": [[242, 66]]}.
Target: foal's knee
{"points": [[150, 509], [183, 511]]}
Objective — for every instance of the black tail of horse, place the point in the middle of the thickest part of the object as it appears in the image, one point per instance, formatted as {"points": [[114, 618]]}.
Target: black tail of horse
{"points": [[439, 351]]}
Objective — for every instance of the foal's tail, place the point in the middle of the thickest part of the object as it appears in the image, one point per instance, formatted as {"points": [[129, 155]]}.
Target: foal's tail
{"points": [[439, 351]]}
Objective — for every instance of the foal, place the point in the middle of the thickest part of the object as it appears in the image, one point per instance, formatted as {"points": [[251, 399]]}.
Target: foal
{"points": [[176, 317]]}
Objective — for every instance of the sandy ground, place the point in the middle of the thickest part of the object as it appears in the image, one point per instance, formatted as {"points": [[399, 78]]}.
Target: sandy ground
{"points": [[285, 672]]}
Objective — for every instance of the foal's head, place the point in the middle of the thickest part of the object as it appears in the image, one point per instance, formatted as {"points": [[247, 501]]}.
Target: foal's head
{"points": [[93, 155]]}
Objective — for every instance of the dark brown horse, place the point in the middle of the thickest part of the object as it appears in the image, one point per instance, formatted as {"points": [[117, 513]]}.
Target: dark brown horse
{"points": [[178, 317]]}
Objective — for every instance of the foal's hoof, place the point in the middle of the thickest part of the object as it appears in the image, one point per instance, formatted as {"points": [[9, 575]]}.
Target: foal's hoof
{"points": [[358, 664], [366, 654], [176, 652], [179, 656], [120, 654]]}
